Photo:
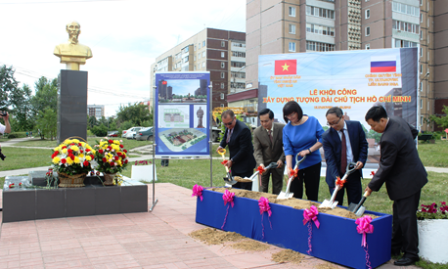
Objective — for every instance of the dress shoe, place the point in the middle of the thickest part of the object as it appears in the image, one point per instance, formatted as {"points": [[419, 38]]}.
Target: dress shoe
{"points": [[405, 261]]}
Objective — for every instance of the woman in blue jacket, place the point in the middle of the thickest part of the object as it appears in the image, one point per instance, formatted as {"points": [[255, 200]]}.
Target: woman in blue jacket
{"points": [[303, 135]]}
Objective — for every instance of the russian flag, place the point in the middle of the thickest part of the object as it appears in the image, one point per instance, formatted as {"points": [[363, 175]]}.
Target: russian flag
{"points": [[383, 64]]}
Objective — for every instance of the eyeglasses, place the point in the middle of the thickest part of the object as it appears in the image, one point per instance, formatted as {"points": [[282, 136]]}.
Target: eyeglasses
{"points": [[229, 123], [334, 123]]}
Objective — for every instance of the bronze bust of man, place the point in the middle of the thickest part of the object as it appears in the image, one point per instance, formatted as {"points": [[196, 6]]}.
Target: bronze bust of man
{"points": [[72, 53]]}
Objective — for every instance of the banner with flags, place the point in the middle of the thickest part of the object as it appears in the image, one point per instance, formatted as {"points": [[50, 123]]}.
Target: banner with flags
{"points": [[351, 80]]}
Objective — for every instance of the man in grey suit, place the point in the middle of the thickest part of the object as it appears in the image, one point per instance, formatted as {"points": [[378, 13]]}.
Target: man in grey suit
{"points": [[268, 147], [404, 174]]}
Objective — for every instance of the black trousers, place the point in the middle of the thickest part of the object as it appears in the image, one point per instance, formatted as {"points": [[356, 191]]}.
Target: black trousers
{"points": [[353, 187], [311, 177], [404, 225], [277, 180], [243, 185]]}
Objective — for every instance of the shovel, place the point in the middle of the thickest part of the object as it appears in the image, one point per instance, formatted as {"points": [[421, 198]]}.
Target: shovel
{"points": [[252, 177], [331, 203], [359, 209], [229, 178], [287, 194]]}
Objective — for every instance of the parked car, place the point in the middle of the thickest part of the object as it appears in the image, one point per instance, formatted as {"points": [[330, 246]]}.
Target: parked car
{"points": [[144, 134], [112, 134], [130, 134]]}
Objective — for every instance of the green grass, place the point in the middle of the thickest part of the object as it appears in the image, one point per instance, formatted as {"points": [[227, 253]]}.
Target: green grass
{"points": [[128, 144], [17, 158], [434, 154]]}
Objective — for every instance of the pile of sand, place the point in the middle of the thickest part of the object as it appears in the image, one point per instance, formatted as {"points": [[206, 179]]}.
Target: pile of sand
{"points": [[250, 245], [212, 236], [287, 255], [292, 202]]}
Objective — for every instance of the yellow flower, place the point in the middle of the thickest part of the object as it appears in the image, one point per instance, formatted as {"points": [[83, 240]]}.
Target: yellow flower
{"points": [[83, 144], [56, 160], [75, 148], [117, 142], [56, 148], [81, 155], [88, 158], [67, 141], [93, 151], [69, 161], [115, 147], [119, 162], [64, 151], [76, 141], [109, 156], [77, 160]]}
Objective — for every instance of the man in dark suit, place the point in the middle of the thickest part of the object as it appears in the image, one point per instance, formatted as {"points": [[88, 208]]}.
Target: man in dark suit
{"points": [[268, 147], [344, 142], [239, 139], [405, 176]]}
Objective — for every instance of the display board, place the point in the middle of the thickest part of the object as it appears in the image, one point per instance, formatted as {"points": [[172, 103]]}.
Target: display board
{"points": [[352, 80], [182, 114]]}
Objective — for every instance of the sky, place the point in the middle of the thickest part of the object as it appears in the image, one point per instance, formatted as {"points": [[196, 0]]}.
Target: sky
{"points": [[125, 37]]}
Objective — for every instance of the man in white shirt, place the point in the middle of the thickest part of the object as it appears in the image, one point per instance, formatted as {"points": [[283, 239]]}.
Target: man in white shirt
{"points": [[7, 127]]}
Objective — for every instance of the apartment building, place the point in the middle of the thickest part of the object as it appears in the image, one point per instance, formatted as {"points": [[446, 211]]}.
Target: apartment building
{"points": [[95, 110], [221, 52], [291, 26]]}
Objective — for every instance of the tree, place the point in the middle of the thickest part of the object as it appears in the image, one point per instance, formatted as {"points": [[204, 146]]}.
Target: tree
{"points": [[92, 122], [20, 101], [8, 85], [137, 113], [47, 123], [441, 121]]}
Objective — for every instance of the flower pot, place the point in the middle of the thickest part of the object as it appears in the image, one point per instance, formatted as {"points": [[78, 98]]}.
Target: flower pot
{"points": [[109, 179], [433, 243], [71, 181]]}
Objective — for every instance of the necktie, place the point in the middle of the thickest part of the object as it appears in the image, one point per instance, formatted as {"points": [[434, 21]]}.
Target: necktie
{"points": [[270, 135], [343, 152], [229, 134]]}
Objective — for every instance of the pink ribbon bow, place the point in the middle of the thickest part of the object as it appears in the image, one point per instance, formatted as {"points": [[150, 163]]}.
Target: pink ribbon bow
{"points": [[197, 191], [364, 227], [311, 214], [228, 197], [263, 204]]}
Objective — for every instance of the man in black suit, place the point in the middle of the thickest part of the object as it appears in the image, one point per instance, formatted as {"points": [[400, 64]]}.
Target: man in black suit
{"points": [[239, 139], [405, 176], [350, 136]]}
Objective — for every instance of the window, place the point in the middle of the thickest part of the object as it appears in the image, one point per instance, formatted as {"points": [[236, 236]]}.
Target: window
{"points": [[319, 12], [194, 47], [421, 2], [223, 64], [421, 52], [367, 31], [421, 103], [199, 56], [421, 17], [319, 29], [223, 54], [203, 54], [367, 46], [421, 86], [222, 96], [203, 64], [223, 75], [239, 54], [237, 64], [292, 29], [292, 11], [292, 46], [367, 13], [203, 43], [223, 44], [421, 35], [222, 85], [222, 105], [421, 69], [194, 67], [199, 45]]}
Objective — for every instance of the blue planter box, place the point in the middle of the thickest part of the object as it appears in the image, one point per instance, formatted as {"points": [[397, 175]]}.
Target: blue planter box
{"points": [[336, 240]]}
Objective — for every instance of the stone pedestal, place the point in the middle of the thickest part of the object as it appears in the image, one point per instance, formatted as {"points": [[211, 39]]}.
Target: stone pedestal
{"points": [[72, 105]]}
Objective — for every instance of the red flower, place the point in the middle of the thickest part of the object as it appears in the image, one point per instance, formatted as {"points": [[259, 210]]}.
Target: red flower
{"points": [[125, 151], [126, 161], [224, 162], [110, 141], [72, 144], [98, 173], [123, 155], [87, 150], [11, 185], [116, 158], [121, 146], [112, 163], [70, 151], [101, 151], [20, 184], [372, 173], [109, 148], [63, 161], [340, 182], [64, 147], [81, 150], [104, 160], [71, 156], [79, 144], [86, 163], [119, 153]]}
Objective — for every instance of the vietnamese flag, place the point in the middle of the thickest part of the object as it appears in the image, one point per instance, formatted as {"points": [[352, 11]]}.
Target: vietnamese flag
{"points": [[286, 67]]}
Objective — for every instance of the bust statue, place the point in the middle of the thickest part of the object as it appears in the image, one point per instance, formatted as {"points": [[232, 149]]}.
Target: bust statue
{"points": [[72, 53]]}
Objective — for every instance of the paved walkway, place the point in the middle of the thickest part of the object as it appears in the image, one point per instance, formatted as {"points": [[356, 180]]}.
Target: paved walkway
{"points": [[139, 240]]}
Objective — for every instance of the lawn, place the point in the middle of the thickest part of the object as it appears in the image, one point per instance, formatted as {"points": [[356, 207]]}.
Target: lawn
{"points": [[434, 154], [128, 144]]}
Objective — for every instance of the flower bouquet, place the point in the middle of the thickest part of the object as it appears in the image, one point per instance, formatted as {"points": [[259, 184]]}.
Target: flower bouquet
{"points": [[111, 158], [72, 160], [433, 211]]}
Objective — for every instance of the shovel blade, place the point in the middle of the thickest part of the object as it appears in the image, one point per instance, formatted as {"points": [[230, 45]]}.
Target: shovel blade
{"points": [[352, 207], [285, 195], [328, 204], [360, 211], [228, 181]]}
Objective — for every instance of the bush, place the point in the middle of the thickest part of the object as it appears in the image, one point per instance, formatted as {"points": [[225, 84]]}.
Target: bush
{"points": [[17, 135], [89, 133]]}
